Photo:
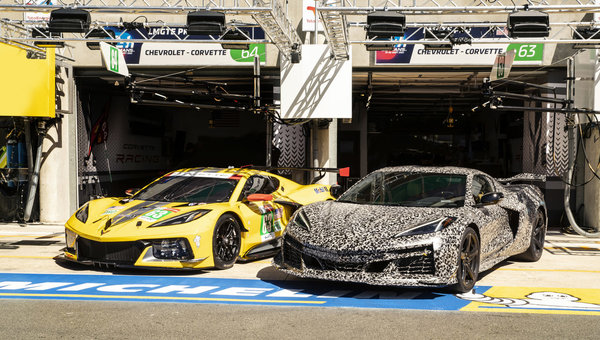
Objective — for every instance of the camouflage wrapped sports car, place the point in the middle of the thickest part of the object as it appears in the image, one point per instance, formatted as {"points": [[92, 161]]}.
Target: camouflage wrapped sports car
{"points": [[416, 226]]}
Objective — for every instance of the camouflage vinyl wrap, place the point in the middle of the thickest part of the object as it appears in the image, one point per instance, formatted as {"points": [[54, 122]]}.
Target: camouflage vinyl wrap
{"points": [[361, 242]]}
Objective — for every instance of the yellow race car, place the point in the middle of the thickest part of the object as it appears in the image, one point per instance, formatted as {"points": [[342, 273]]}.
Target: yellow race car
{"points": [[189, 219]]}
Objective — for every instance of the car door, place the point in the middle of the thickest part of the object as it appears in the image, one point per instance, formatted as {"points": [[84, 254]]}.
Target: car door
{"points": [[494, 229], [263, 219]]}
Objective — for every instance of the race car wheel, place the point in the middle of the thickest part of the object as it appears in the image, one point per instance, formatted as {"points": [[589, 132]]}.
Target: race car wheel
{"points": [[468, 262], [226, 242], [538, 236]]}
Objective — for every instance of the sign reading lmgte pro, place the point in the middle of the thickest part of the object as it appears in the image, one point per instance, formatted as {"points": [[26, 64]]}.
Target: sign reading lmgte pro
{"points": [[113, 59]]}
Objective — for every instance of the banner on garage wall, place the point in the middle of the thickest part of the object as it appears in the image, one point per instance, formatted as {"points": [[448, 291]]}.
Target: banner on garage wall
{"points": [[186, 54], [37, 16], [476, 54], [28, 86], [309, 15]]}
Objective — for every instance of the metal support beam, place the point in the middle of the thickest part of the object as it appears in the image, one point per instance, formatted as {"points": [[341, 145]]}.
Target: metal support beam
{"points": [[277, 26], [336, 31]]}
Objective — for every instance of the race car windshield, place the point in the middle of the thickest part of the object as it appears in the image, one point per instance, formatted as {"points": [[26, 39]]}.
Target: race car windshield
{"points": [[409, 190], [188, 189]]}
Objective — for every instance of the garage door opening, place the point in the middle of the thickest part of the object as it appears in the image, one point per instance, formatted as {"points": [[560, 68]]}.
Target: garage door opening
{"points": [[125, 143]]}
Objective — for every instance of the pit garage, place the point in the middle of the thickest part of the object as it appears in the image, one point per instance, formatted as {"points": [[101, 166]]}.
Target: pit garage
{"points": [[438, 117], [131, 133]]}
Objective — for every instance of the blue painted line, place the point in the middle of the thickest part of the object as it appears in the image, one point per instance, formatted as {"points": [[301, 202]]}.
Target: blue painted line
{"points": [[222, 291]]}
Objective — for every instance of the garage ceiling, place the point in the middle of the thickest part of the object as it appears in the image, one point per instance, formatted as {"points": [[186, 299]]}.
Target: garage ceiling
{"points": [[427, 92]]}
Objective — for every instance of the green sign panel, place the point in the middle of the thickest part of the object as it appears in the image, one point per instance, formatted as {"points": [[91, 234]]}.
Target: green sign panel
{"points": [[527, 52], [255, 50], [114, 59]]}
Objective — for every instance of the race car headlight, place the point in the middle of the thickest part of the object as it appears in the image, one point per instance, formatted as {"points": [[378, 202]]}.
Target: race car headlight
{"points": [[82, 213], [428, 227], [171, 249], [301, 220], [70, 238], [183, 218]]}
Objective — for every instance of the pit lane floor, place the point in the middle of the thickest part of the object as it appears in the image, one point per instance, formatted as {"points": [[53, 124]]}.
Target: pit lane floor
{"points": [[569, 261], [564, 281]]}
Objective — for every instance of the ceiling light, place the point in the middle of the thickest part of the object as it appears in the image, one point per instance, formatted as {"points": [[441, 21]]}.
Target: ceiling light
{"points": [[69, 20], [205, 23], [528, 24]]}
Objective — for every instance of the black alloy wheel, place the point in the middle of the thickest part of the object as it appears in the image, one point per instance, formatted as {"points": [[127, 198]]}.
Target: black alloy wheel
{"points": [[468, 262], [538, 237], [226, 242]]}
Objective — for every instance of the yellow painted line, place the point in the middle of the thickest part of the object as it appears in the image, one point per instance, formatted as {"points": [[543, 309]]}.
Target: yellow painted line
{"points": [[578, 248], [549, 270], [26, 257], [524, 300], [35, 236], [160, 298], [529, 311]]}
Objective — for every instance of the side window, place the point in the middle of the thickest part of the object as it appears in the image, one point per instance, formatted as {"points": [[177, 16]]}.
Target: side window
{"points": [[260, 185], [480, 187]]}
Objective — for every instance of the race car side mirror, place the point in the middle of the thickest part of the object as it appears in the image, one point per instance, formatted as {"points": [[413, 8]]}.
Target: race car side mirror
{"points": [[491, 198], [336, 190], [130, 192], [259, 197]]}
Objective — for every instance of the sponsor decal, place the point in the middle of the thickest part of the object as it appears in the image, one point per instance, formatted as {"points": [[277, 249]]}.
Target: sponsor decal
{"points": [[157, 214], [270, 223], [535, 300], [112, 210], [320, 190], [478, 54], [200, 174], [197, 241]]}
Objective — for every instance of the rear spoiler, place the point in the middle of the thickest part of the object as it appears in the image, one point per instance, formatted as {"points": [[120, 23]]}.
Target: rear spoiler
{"points": [[524, 177], [343, 172]]}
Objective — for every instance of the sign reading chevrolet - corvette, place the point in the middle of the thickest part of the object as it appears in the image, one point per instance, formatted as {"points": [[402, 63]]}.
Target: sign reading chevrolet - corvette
{"points": [[464, 54], [187, 54]]}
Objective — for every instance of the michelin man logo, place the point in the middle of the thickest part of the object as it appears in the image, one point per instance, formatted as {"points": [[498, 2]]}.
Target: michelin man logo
{"points": [[537, 300]]}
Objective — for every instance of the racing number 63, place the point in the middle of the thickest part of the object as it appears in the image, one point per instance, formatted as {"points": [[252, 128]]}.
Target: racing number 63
{"points": [[526, 51]]}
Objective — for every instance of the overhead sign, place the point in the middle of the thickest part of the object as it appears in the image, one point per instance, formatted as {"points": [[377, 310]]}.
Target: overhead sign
{"points": [[502, 65], [184, 54], [309, 17], [467, 55], [317, 87], [113, 59]]}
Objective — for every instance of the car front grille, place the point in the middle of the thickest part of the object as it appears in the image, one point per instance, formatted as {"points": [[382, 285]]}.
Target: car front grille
{"points": [[122, 252], [292, 252], [412, 261], [420, 261]]}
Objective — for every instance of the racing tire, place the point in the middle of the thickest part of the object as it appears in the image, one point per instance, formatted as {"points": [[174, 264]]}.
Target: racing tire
{"points": [[226, 242], [468, 262], [538, 236]]}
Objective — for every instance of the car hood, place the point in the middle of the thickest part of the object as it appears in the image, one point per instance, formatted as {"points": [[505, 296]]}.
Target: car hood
{"points": [[349, 226], [115, 218]]}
